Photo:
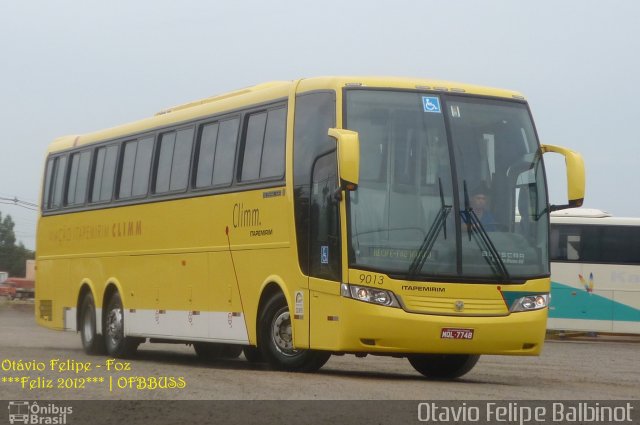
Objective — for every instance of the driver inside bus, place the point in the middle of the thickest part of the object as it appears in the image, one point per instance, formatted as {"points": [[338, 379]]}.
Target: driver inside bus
{"points": [[480, 206]]}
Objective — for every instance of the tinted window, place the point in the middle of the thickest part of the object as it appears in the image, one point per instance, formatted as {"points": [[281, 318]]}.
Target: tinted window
{"points": [[104, 173], [47, 183], [78, 178], [181, 160], [136, 164], [206, 154], [54, 182], [217, 153], [173, 161], [595, 244], [165, 156], [315, 114], [272, 164], [225, 152], [59, 175], [142, 168], [263, 156], [253, 146]]}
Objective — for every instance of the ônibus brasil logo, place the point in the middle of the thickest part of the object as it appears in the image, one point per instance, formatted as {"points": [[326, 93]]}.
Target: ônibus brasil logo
{"points": [[30, 412]]}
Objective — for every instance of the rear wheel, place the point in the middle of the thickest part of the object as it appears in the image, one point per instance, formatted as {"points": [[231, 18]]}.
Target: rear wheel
{"points": [[92, 343], [117, 344], [275, 340], [443, 366]]}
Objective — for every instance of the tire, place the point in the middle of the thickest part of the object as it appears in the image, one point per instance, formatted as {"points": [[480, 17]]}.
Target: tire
{"points": [[208, 350], [276, 343], [116, 343], [443, 366], [253, 354], [92, 343]]}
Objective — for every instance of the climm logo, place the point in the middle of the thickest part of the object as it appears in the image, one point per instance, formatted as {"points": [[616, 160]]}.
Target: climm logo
{"points": [[245, 217], [126, 228]]}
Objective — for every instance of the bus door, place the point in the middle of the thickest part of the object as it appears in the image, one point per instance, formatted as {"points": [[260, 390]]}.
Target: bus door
{"points": [[325, 254]]}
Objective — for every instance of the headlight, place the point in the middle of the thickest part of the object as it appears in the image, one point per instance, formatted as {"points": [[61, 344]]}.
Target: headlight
{"points": [[530, 303], [369, 295]]}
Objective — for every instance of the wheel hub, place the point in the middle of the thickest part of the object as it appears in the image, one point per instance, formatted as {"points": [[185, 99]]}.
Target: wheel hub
{"points": [[114, 325], [282, 334]]}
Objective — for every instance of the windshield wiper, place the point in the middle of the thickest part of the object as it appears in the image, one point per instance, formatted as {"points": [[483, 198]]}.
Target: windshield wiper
{"points": [[431, 237], [479, 234]]}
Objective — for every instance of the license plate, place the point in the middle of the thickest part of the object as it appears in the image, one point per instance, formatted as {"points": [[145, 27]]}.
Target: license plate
{"points": [[456, 333]]}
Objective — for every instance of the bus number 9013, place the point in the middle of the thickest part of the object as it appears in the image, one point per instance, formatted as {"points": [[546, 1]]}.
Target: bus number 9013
{"points": [[371, 279]]}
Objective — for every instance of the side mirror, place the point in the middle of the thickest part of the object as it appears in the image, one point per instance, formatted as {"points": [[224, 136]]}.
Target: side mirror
{"points": [[348, 157], [575, 175]]}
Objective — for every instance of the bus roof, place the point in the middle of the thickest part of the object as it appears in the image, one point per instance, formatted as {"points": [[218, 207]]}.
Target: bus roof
{"points": [[591, 216], [263, 93]]}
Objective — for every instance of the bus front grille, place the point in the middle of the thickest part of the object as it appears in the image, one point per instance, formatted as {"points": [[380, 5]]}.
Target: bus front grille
{"points": [[454, 306]]}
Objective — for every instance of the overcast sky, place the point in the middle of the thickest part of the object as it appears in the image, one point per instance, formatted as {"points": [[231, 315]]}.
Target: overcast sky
{"points": [[69, 67]]}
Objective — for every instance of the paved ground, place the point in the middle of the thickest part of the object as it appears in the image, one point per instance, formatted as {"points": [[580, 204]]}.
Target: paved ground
{"points": [[567, 370]]}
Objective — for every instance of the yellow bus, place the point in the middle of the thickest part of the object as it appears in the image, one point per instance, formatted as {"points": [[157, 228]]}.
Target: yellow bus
{"points": [[300, 219]]}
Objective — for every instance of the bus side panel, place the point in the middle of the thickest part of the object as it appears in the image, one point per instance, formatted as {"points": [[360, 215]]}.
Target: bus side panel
{"points": [[595, 298], [51, 294], [258, 268]]}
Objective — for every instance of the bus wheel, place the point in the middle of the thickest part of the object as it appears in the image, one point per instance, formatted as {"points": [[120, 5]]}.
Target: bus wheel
{"points": [[275, 340], [117, 344], [253, 354], [443, 366], [92, 343], [208, 350]]}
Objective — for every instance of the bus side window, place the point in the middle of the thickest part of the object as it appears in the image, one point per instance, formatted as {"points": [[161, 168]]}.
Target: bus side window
{"points": [[57, 182], [104, 171], [136, 165], [573, 247], [263, 154], [173, 161], [78, 178]]}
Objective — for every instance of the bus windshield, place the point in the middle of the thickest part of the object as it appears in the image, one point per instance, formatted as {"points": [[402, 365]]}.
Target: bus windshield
{"points": [[450, 186]]}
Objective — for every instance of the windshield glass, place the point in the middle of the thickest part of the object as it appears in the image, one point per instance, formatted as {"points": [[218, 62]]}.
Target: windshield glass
{"points": [[449, 186]]}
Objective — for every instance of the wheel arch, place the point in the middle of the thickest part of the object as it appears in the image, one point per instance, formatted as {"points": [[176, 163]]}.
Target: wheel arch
{"points": [[271, 286], [86, 287], [111, 288]]}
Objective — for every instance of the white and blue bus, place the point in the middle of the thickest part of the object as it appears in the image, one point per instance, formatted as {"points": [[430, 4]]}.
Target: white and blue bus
{"points": [[595, 272]]}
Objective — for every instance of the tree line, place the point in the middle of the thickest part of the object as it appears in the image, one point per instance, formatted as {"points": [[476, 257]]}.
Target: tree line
{"points": [[13, 257]]}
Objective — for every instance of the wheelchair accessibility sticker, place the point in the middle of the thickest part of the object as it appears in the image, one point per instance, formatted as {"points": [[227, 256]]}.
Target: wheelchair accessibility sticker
{"points": [[431, 104]]}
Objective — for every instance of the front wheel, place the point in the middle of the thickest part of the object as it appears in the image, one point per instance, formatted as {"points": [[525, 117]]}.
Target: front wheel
{"points": [[117, 344], [275, 340], [443, 366]]}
